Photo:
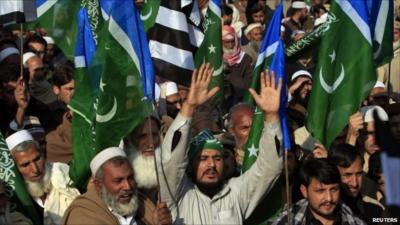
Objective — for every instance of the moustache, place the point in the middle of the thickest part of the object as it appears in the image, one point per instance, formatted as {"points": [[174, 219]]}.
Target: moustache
{"points": [[328, 203], [211, 170], [126, 192]]}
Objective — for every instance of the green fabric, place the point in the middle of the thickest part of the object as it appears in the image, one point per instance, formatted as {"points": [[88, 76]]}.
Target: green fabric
{"points": [[343, 77], [15, 185], [204, 140], [108, 103], [59, 20], [210, 50], [148, 13]]}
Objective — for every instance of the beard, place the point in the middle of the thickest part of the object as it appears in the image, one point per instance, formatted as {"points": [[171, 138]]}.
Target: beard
{"points": [[228, 51], [38, 188], [144, 168], [127, 209]]}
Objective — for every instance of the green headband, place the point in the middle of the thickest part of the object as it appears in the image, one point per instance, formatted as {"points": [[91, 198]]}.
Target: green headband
{"points": [[204, 140]]}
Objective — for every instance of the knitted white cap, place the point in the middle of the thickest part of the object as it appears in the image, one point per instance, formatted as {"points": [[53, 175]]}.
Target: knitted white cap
{"points": [[301, 73], [369, 115], [103, 156], [49, 40], [17, 138], [250, 27], [26, 57], [171, 88], [299, 5]]}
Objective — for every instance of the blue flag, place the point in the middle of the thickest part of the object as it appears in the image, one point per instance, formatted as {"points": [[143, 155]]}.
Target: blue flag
{"points": [[126, 15]]}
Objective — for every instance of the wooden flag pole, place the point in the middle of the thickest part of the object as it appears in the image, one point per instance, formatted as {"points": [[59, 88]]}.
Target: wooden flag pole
{"points": [[288, 196]]}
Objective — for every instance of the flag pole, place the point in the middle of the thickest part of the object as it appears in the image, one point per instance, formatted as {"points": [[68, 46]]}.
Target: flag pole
{"points": [[21, 50], [288, 200]]}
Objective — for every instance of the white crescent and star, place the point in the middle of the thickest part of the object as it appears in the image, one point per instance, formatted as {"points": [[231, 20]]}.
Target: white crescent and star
{"points": [[331, 88], [108, 116]]}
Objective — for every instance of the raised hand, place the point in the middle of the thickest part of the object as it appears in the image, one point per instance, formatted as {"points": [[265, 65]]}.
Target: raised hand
{"points": [[20, 94], [199, 93], [356, 123], [22, 98], [269, 98]]}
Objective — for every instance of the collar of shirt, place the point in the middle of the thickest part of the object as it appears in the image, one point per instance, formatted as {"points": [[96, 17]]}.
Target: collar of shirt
{"points": [[39, 202], [123, 220], [310, 219]]}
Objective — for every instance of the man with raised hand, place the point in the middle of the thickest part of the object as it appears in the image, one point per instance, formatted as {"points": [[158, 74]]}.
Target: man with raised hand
{"points": [[202, 196]]}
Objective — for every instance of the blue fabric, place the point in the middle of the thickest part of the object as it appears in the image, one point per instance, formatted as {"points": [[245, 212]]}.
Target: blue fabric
{"points": [[272, 36], [85, 44], [127, 16]]}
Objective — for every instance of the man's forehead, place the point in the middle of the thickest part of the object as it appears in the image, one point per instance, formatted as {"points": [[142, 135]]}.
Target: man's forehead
{"points": [[315, 183], [26, 156], [113, 169]]}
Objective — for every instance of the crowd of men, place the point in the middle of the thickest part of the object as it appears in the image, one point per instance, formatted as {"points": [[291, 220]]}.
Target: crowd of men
{"points": [[183, 163]]}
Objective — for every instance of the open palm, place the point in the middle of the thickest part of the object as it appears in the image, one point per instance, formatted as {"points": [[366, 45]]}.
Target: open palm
{"points": [[199, 92], [269, 98]]}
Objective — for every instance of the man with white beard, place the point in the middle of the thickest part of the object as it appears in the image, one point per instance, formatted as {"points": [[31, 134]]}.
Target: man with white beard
{"points": [[47, 183], [112, 197], [142, 145]]}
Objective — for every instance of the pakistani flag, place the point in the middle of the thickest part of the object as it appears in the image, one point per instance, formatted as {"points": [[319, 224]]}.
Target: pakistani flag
{"points": [[345, 71], [381, 24], [115, 89], [20, 200], [272, 57], [210, 50], [127, 81]]}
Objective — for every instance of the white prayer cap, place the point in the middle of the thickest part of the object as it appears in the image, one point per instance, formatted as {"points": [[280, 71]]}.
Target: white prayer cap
{"points": [[299, 5], [369, 115], [171, 88], [17, 138], [250, 27], [7, 52], [49, 40], [103, 156], [379, 84], [157, 92], [301, 73], [26, 57]]}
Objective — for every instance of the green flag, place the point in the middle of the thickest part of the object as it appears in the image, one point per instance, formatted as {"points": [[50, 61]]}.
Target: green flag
{"points": [[59, 20], [109, 101], [345, 71], [20, 199], [210, 50], [271, 56], [83, 104], [148, 13], [381, 22], [121, 103]]}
